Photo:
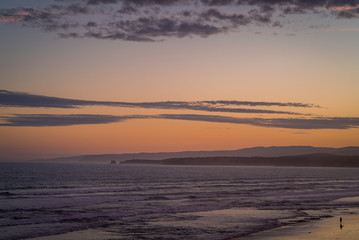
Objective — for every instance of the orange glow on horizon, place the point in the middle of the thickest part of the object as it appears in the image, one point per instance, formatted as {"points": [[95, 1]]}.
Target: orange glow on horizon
{"points": [[162, 136]]}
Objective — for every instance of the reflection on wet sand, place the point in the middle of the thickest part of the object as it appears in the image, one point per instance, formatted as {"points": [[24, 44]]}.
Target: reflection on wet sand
{"points": [[324, 229]]}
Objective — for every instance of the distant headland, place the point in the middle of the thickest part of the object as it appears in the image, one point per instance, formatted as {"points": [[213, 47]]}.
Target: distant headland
{"points": [[310, 160], [267, 156]]}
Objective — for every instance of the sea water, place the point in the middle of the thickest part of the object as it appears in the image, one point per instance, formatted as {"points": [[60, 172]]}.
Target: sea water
{"points": [[59, 201]]}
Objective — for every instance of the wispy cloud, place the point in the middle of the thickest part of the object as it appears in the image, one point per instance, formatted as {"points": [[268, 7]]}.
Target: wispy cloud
{"points": [[46, 120], [347, 10], [341, 30], [345, 7], [156, 20], [14, 17], [292, 123], [19, 99]]}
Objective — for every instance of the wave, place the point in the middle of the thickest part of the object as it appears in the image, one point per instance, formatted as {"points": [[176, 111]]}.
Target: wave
{"points": [[192, 201]]}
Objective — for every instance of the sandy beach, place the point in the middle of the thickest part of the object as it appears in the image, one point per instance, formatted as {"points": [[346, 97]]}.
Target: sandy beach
{"points": [[325, 229]]}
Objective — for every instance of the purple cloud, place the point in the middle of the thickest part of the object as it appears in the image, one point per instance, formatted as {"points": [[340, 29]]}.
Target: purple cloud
{"points": [[18, 99], [156, 20], [46, 120]]}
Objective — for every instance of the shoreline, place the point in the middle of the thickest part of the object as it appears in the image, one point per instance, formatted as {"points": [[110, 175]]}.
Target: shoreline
{"points": [[321, 229], [327, 228]]}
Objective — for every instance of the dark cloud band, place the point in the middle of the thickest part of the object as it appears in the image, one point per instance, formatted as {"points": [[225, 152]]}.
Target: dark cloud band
{"points": [[46, 120], [18, 99], [156, 20]]}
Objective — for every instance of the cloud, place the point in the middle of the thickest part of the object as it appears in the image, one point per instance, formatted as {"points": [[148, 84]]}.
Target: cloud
{"points": [[52, 120], [27, 15], [14, 17], [279, 104], [346, 11], [18, 99], [45, 19], [315, 123], [291, 123], [46, 120], [157, 20], [341, 30], [344, 8]]}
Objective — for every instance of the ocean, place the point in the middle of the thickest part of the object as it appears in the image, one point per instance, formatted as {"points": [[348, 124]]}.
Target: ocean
{"points": [[70, 201]]}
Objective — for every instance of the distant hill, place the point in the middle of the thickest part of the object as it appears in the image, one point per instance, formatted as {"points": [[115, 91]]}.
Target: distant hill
{"points": [[245, 152], [310, 160]]}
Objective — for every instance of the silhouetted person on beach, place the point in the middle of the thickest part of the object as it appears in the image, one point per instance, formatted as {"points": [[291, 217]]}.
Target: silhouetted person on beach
{"points": [[341, 225]]}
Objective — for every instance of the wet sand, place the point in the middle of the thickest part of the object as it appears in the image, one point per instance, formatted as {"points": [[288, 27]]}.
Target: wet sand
{"points": [[83, 234], [315, 230]]}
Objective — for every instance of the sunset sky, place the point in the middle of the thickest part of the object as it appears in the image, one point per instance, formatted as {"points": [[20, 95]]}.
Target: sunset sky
{"points": [[120, 76]]}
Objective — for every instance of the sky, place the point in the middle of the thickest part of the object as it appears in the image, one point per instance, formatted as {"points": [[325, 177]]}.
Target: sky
{"points": [[119, 76]]}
